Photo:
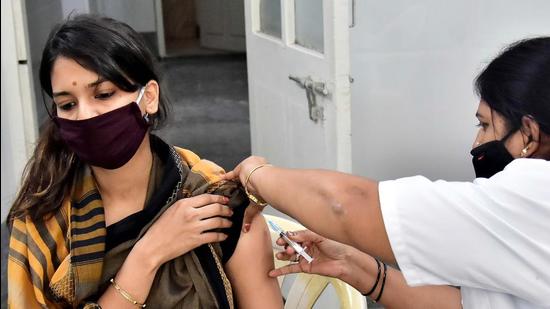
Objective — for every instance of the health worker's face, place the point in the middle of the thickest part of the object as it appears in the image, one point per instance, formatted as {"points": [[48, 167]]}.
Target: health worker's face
{"points": [[492, 126]]}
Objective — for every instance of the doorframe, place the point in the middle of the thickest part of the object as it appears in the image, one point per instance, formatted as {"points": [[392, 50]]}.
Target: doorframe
{"points": [[159, 22], [342, 81], [18, 109], [26, 90]]}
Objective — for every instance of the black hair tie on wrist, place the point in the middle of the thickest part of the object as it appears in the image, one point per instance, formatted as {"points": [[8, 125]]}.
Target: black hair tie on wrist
{"points": [[377, 279], [383, 283]]}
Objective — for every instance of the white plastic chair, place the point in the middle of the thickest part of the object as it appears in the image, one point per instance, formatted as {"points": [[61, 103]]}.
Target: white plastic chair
{"points": [[307, 288]]}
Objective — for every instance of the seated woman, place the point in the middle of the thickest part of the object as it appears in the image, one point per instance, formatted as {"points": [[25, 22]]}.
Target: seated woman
{"points": [[109, 215]]}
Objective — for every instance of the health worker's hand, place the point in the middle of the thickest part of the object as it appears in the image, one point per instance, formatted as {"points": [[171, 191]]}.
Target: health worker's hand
{"points": [[241, 171], [330, 258]]}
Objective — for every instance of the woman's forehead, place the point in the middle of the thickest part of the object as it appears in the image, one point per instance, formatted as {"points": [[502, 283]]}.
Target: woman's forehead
{"points": [[483, 110], [67, 72]]}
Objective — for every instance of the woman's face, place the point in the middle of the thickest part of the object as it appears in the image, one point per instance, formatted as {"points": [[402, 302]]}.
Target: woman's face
{"points": [[81, 94], [492, 126]]}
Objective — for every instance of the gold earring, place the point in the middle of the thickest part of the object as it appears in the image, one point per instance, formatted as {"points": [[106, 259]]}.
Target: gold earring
{"points": [[524, 151]]}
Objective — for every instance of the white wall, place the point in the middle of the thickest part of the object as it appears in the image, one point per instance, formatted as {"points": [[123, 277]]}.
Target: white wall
{"points": [[413, 63]]}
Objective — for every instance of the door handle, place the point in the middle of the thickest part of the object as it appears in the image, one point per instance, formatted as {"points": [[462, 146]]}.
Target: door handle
{"points": [[312, 87], [308, 82]]}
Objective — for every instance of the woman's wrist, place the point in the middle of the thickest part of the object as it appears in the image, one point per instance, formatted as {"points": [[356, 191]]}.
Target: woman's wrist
{"points": [[345, 268], [252, 176], [147, 256], [248, 167], [361, 271]]}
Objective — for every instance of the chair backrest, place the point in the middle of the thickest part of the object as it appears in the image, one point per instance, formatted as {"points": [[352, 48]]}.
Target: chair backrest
{"points": [[307, 288]]}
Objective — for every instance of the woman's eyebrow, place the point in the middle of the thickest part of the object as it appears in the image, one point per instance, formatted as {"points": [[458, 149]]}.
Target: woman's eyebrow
{"points": [[57, 94], [96, 83], [90, 85]]}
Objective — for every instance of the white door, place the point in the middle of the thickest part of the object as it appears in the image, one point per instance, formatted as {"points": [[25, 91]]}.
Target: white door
{"points": [[290, 42], [221, 24]]}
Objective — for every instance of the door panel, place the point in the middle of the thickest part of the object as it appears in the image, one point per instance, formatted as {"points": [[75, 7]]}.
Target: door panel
{"points": [[222, 24]]}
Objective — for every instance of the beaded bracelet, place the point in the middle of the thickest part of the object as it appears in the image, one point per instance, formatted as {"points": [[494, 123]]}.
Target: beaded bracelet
{"points": [[377, 278], [383, 283]]}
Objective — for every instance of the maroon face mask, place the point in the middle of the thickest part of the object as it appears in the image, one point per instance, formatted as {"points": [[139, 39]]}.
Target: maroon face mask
{"points": [[109, 140]]}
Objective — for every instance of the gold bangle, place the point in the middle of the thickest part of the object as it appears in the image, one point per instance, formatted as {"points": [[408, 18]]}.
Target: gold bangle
{"points": [[126, 295], [253, 198]]}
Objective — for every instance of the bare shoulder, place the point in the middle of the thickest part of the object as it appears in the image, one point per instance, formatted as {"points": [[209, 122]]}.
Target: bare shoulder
{"points": [[248, 268], [254, 245]]}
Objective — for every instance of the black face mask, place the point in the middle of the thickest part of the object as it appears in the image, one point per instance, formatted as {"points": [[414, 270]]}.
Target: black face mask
{"points": [[490, 158], [109, 140]]}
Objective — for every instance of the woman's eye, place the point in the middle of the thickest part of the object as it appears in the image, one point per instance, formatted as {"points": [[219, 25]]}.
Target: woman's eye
{"points": [[104, 95], [66, 106], [483, 125]]}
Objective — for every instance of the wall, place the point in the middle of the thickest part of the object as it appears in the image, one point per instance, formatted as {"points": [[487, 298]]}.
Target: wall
{"points": [[140, 14], [41, 18], [221, 24], [413, 63], [74, 7]]}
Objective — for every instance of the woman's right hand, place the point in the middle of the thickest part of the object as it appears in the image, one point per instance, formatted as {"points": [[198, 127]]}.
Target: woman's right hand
{"points": [[185, 226]]}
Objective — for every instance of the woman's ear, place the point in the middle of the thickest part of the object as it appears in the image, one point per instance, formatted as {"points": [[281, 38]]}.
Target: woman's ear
{"points": [[530, 131], [151, 97]]}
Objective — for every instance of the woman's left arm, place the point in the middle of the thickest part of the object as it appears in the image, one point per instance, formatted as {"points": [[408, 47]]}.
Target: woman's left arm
{"points": [[249, 266]]}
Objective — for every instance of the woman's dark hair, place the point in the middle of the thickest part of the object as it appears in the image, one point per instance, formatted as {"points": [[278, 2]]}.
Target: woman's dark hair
{"points": [[116, 53], [517, 83]]}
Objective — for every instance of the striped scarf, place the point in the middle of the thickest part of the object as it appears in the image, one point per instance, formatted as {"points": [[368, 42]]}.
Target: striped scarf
{"points": [[58, 263]]}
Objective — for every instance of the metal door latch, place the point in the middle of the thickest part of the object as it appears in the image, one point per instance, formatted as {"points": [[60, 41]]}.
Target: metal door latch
{"points": [[312, 87]]}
